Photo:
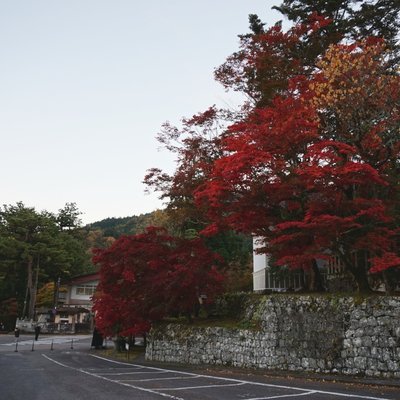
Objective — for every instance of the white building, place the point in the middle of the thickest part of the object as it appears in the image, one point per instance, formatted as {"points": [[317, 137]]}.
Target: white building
{"points": [[265, 280], [80, 290]]}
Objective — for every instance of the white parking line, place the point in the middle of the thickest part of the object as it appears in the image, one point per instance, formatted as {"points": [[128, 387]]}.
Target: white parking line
{"points": [[235, 382], [203, 386], [110, 380], [133, 373], [306, 391], [207, 376], [284, 396], [160, 379]]}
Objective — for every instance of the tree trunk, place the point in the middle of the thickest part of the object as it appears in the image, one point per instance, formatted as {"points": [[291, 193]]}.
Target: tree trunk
{"points": [[312, 279], [316, 284], [25, 302], [359, 269], [29, 290], [389, 285], [32, 302], [362, 283]]}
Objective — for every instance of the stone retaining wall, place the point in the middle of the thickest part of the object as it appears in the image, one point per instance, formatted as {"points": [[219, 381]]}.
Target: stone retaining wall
{"points": [[326, 334]]}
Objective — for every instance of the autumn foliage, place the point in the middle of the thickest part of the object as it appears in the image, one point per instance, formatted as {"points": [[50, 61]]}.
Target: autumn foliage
{"points": [[309, 165], [148, 276], [316, 172]]}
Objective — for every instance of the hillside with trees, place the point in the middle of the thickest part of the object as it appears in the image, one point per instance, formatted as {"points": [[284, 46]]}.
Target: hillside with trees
{"points": [[116, 227]]}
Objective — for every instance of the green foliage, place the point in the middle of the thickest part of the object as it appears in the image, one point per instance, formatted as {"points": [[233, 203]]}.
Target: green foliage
{"points": [[112, 226], [37, 248], [68, 217], [8, 313], [230, 305], [232, 246], [116, 227], [352, 19]]}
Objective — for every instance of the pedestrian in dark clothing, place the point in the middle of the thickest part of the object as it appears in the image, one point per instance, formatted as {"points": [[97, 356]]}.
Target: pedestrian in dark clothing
{"points": [[97, 339], [37, 331]]}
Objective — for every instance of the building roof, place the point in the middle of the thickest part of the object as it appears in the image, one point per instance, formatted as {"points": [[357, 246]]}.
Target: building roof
{"points": [[94, 276], [72, 310], [63, 309]]}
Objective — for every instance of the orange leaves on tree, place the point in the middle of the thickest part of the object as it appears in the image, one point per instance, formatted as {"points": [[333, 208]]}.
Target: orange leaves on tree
{"points": [[311, 171], [354, 77]]}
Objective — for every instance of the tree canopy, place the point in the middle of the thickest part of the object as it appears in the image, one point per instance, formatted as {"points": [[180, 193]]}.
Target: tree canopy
{"points": [[316, 172], [310, 163], [148, 276], [37, 248]]}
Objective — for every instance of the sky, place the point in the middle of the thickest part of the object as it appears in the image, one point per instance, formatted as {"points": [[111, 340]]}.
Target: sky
{"points": [[85, 86]]}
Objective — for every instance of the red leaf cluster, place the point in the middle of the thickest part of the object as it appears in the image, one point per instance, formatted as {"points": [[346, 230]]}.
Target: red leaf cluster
{"points": [[314, 172], [148, 276]]}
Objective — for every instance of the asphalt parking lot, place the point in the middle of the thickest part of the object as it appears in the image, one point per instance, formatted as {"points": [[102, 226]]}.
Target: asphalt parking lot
{"points": [[65, 367], [183, 385]]}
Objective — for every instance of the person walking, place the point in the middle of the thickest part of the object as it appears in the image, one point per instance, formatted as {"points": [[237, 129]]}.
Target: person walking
{"points": [[37, 331], [97, 339]]}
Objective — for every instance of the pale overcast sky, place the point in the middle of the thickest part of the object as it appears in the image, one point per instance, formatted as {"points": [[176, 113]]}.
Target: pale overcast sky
{"points": [[86, 84]]}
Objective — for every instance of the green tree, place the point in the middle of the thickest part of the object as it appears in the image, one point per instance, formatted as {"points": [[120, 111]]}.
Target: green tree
{"points": [[68, 217], [352, 19], [35, 249]]}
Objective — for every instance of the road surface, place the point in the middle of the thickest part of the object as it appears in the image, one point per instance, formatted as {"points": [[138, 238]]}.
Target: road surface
{"points": [[64, 367]]}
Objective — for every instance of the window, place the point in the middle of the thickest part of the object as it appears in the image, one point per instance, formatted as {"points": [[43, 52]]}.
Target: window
{"points": [[85, 290]]}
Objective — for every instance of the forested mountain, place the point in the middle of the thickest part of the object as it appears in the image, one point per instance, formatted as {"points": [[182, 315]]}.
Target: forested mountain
{"points": [[103, 233], [116, 227]]}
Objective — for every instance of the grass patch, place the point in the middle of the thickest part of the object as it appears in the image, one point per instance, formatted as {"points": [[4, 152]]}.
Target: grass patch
{"points": [[133, 353]]}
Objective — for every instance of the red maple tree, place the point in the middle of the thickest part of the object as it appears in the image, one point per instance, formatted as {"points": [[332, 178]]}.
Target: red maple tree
{"points": [[315, 173], [148, 276]]}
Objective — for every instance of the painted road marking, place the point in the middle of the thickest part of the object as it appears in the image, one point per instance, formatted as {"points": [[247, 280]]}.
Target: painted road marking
{"points": [[284, 396], [232, 382], [160, 379], [133, 373], [110, 380], [203, 386], [307, 391]]}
